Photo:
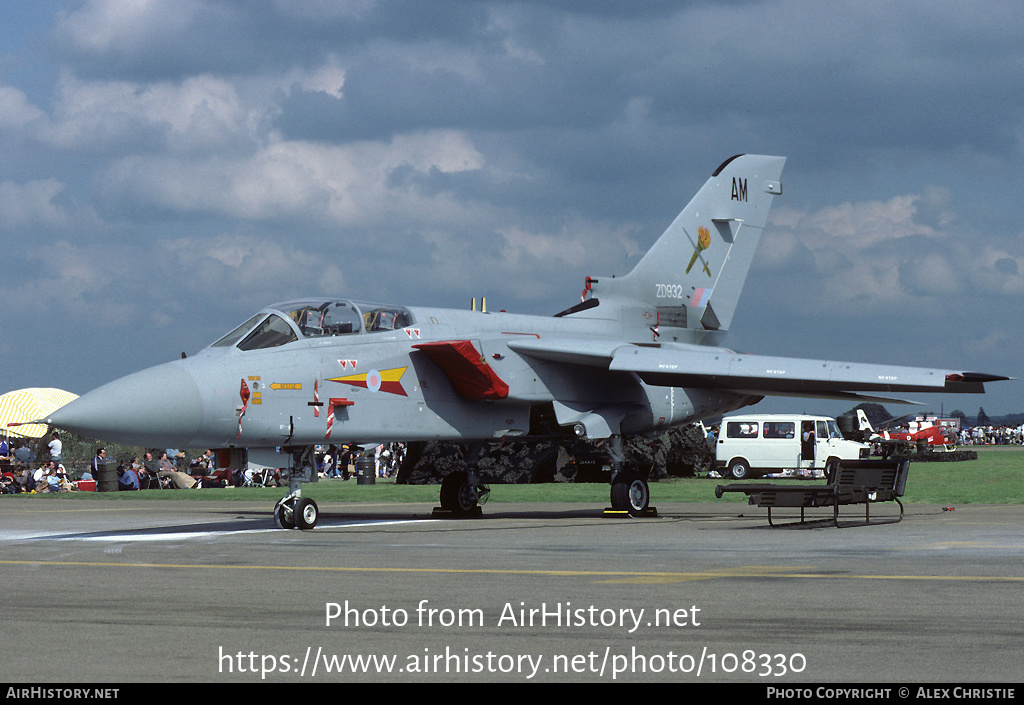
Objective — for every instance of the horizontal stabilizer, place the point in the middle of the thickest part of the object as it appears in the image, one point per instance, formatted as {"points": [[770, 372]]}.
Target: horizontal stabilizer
{"points": [[466, 368]]}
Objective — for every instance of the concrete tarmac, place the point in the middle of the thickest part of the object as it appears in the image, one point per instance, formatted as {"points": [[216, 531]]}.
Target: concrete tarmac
{"points": [[201, 591]]}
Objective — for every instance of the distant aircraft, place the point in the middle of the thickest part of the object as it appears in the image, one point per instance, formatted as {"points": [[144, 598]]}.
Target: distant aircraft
{"points": [[636, 356], [905, 431]]}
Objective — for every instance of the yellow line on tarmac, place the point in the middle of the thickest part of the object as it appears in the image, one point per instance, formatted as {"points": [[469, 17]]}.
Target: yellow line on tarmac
{"points": [[648, 577], [22, 510]]}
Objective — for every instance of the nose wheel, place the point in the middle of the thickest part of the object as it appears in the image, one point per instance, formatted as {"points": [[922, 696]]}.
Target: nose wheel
{"points": [[293, 512]]}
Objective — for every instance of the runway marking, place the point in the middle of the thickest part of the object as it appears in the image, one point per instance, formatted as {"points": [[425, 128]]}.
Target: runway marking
{"points": [[169, 533], [962, 544], [25, 510], [617, 576], [755, 571]]}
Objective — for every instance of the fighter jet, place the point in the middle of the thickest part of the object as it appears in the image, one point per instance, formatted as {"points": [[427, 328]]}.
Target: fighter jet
{"points": [[637, 355]]}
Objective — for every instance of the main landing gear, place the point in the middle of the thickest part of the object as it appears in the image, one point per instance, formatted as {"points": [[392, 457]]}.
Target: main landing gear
{"points": [[462, 493], [630, 494]]}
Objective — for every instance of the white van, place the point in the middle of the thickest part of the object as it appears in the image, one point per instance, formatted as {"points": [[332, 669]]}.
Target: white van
{"points": [[760, 444]]}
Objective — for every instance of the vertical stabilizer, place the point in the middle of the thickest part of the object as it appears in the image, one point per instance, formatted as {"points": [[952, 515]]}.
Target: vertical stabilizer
{"points": [[694, 273]]}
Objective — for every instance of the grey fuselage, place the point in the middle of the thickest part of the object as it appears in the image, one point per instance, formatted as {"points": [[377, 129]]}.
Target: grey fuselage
{"points": [[324, 389]]}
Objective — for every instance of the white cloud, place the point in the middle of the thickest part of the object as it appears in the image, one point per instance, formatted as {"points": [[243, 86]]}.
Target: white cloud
{"points": [[16, 111], [75, 283], [317, 11], [864, 225], [194, 115], [523, 249], [253, 267], [933, 275], [124, 26], [880, 256], [340, 184], [31, 204], [327, 78]]}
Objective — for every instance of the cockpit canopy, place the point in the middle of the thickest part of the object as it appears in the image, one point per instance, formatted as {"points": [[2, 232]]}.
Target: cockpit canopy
{"points": [[313, 318]]}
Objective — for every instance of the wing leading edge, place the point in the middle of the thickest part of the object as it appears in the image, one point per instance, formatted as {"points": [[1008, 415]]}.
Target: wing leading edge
{"points": [[701, 367]]}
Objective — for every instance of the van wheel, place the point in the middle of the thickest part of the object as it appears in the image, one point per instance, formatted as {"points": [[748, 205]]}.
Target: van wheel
{"points": [[739, 469]]}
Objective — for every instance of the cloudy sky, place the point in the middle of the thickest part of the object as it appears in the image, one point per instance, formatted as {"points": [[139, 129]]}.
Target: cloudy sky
{"points": [[167, 167]]}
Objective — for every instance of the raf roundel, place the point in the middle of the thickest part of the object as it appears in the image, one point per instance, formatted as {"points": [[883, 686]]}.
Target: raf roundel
{"points": [[373, 380]]}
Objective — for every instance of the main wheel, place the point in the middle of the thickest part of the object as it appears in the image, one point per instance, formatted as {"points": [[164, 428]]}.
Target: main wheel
{"points": [[630, 493], [306, 513], [739, 469], [284, 514], [457, 495]]}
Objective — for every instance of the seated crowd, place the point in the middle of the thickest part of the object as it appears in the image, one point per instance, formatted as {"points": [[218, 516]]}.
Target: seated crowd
{"points": [[21, 471]]}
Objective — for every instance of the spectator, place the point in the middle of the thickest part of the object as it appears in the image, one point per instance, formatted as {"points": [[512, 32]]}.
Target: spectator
{"points": [[129, 478], [151, 472], [23, 459], [61, 473], [53, 479], [55, 447], [332, 463], [207, 461], [348, 461], [24, 454], [39, 482], [99, 459], [179, 480]]}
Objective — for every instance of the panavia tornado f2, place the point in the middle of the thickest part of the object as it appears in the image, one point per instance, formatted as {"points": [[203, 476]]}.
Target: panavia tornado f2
{"points": [[637, 355]]}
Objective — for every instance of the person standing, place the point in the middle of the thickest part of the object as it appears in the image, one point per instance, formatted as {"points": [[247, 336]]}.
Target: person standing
{"points": [[55, 447], [98, 460]]}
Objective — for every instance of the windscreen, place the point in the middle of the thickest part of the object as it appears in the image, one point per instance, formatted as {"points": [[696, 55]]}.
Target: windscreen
{"points": [[271, 333], [234, 336]]}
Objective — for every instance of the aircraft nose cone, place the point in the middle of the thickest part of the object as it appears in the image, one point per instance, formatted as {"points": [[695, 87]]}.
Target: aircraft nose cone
{"points": [[160, 406]]}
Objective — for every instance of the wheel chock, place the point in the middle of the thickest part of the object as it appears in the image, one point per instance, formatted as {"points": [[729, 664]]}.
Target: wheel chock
{"points": [[649, 513], [440, 513]]}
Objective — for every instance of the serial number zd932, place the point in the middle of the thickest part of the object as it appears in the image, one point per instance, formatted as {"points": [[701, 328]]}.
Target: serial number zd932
{"points": [[669, 291]]}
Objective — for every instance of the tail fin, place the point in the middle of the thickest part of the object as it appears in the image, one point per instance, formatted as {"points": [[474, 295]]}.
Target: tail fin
{"points": [[693, 275]]}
